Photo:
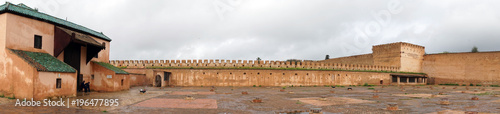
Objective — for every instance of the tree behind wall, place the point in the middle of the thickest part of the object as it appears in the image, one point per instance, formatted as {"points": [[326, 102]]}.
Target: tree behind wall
{"points": [[327, 57], [474, 49]]}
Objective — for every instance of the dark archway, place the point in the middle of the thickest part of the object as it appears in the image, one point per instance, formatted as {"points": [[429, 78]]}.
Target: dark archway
{"points": [[158, 81]]}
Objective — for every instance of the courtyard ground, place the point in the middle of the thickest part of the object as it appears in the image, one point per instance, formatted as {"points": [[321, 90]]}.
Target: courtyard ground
{"points": [[225, 100]]}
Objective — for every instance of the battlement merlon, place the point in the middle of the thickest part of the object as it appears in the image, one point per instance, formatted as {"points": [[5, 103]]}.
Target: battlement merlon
{"points": [[248, 63]]}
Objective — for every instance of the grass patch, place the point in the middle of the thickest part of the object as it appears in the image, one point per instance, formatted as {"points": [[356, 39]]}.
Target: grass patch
{"points": [[494, 86], [478, 85], [260, 68], [13, 97], [254, 86], [368, 85], [298, 102], [371, 88], [450, 84], [471, 84], [464, 85], [339, 86], [2, 96], [104, 111]]}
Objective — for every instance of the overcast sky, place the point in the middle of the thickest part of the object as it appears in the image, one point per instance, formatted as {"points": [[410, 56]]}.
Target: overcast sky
{"points": [[280, 29]]}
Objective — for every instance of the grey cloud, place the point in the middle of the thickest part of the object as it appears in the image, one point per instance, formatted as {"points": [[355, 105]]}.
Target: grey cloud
{"points": [[280, 29]]}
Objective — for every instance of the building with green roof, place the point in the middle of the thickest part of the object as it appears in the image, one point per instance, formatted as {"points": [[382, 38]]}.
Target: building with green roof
{"points": [[46, 57]]}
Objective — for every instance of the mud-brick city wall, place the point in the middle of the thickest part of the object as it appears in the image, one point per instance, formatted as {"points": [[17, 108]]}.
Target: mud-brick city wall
{"points": [[246, 64], [463, 68], [412, 57], [365, 59], [232, 77]]}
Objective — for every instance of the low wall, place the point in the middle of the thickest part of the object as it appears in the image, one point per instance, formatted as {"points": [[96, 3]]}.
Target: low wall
{"points": [[138, 79], [101, 81], [463, 68], [230, 77]]}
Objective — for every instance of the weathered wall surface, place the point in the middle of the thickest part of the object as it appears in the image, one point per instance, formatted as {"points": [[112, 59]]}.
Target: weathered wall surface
{"points": [[102, 83], [387, 55], [138, 79], [21, 32], [226, 77], [15, 76], [46, 85], [463, 68], [365, 59], [412, 57], [103, 55]]}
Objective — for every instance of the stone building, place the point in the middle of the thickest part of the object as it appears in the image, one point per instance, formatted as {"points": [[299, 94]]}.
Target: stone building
{"points": [[42, 56]]}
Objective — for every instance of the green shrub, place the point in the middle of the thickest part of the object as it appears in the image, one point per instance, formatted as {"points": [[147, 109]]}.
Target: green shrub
{"points": [[300, 85], [315, 86], [292, 86], [254, 86], [284, 87], [201, 85], [260, 85], [371, 88], [494, 86], [478, 84], [2, 96], [471, 84], [464, 85]]}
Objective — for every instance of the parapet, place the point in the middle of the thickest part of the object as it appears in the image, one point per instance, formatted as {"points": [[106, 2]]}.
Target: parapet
{"points": [[245, 64]]}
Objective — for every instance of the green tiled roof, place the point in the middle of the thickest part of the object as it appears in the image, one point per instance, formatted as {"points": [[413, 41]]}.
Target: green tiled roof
{"points": [[33, 13], [44, 61], [111, 67]]}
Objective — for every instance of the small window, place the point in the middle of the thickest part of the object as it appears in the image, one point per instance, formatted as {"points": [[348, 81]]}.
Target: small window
{"points": [[58, 83], [92, 76], [38, 42], [166, 76]]}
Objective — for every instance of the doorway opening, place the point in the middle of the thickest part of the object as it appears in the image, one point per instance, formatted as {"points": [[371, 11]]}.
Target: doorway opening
{"points": [[158, 81]]}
